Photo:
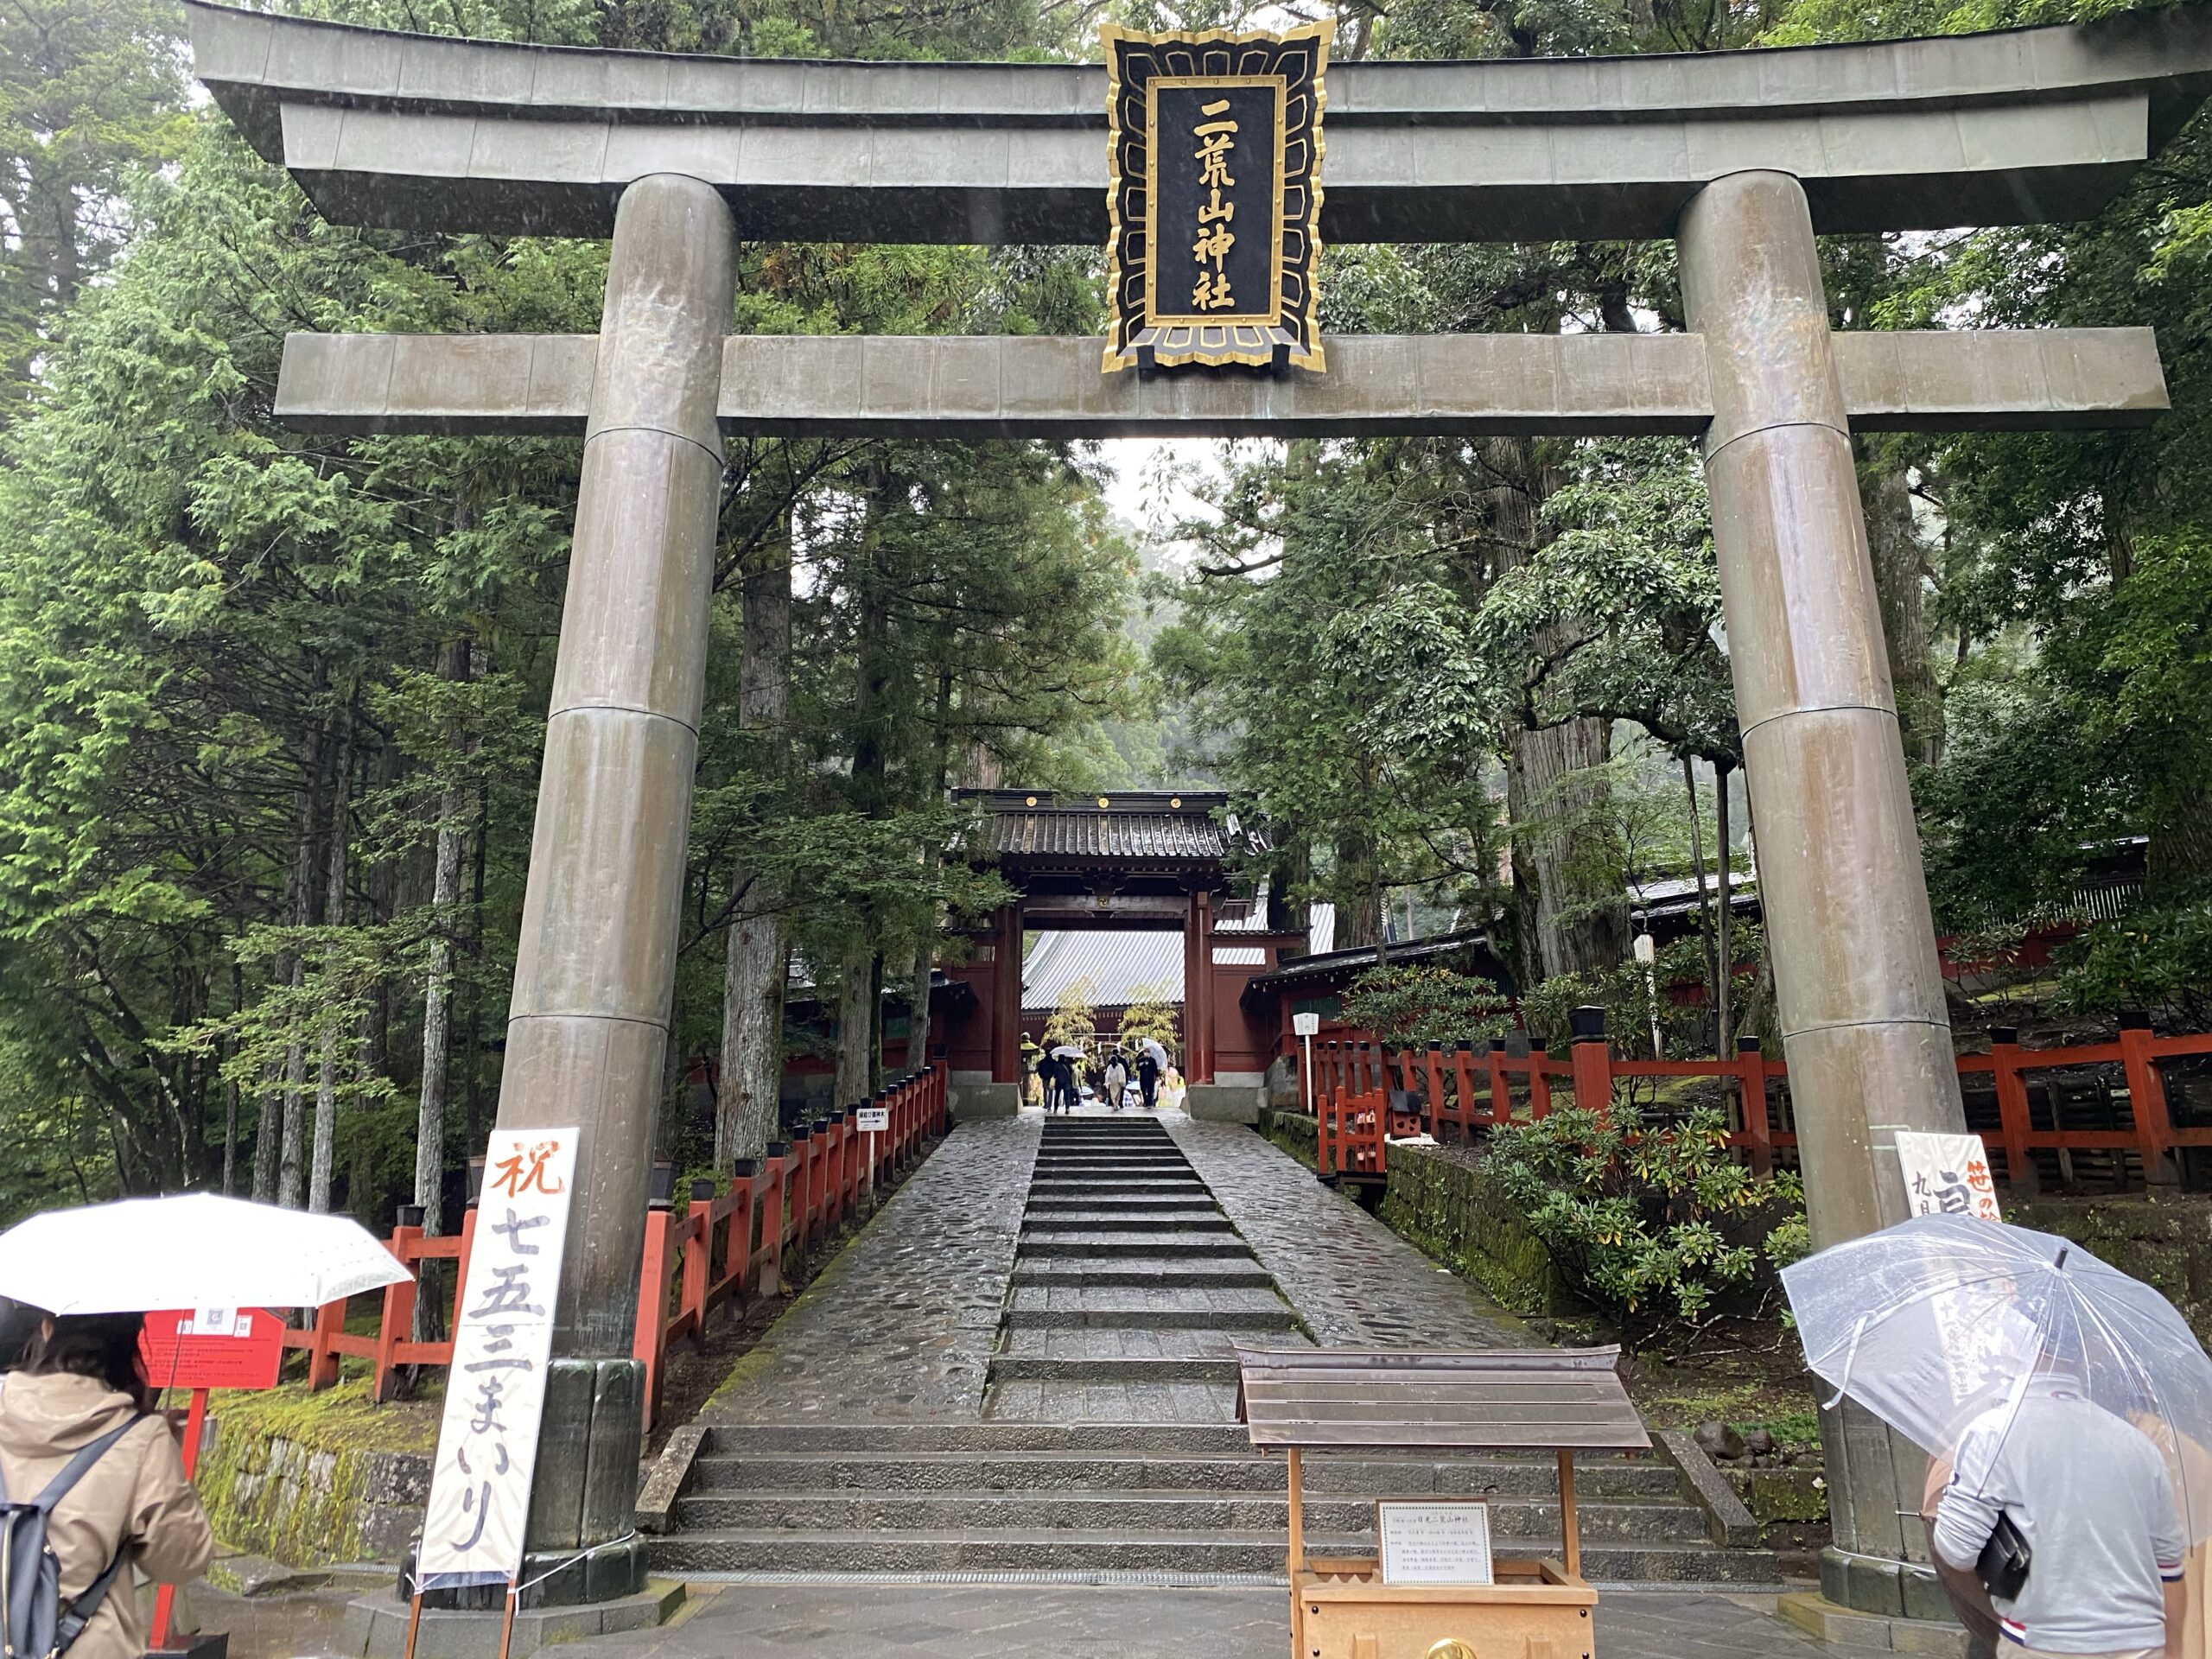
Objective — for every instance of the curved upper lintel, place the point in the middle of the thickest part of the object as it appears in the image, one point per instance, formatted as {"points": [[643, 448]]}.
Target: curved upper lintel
{"points": [[428, 133]]}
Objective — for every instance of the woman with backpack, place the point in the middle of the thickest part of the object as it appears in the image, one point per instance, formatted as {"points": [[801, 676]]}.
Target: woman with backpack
{"points": [[82, 1384]]}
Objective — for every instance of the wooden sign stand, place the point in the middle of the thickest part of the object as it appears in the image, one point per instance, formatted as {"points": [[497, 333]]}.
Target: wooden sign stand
{"points": [[1341, 1607]]}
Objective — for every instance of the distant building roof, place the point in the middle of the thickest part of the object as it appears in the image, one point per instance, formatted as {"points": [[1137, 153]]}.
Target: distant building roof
{"points": [[1469, 949], [1122, 966], [1146, 827]]}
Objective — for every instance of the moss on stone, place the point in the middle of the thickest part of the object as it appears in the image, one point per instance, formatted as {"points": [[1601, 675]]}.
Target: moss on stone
{"points": [[1449, 1208], [291, 1475]]}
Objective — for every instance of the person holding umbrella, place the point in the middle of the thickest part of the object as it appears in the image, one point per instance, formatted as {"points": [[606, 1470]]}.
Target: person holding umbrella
{"points": [[1152, 1060], [79, 1410], [83, 1388], [2071, 1403]]}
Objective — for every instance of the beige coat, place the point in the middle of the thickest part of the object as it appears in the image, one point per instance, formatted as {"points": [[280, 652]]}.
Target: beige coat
{"points": [[136, 1495]]}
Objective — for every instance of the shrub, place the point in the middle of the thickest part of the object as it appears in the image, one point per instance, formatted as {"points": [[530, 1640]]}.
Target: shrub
{"points": [[2158, 959], [1653, 1222], [1412, 1006]]}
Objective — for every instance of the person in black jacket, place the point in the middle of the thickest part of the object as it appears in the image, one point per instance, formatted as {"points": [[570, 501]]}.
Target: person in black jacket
{"points": [[1148, 1078]]}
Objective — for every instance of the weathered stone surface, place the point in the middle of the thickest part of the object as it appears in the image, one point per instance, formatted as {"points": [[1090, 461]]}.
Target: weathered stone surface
{"points": [[1050, 386], [901, 1326], [398, 129], [1352, 1281]]}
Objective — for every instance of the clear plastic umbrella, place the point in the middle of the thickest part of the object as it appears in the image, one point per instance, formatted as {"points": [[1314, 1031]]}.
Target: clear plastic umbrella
{"points": [[195, 1250], [1939, 1321]]}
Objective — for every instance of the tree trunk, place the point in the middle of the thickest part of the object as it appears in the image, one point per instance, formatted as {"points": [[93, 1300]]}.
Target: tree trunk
{"points": [[856, 1025], [231, 1092], [1893, 541], [334, 915], [1566, 856], [268, 1136], [456, 664], [299, 910], [1567, 863], [756, 956], [1725, 1011], [1704, 904], [918, 1002]]}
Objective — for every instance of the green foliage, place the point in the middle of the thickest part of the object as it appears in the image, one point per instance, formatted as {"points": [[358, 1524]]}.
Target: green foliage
{"points": [[1633, 999], [1657, 1222], [1153, 1015], [1411, 1007], [2158, 959]]}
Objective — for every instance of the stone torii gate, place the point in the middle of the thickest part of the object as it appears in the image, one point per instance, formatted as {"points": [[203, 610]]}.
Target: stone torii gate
{"points": [[1741, 157]]}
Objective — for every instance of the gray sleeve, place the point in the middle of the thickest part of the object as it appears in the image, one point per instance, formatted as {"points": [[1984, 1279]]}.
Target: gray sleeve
{"points": [[2166, 1537], [1966, 1513]]}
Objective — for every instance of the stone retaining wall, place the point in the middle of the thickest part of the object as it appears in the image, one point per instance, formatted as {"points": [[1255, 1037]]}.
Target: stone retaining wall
{"points": [[310, 1481], [2165, 1240], [1440, 1199]]}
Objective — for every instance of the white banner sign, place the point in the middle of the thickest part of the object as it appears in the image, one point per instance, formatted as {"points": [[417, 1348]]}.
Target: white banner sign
{"points": [[873, 1119], [495, 1390], [1946, 1174]]}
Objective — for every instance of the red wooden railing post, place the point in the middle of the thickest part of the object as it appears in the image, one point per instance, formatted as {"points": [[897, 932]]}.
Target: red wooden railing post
{"points": [[2146, 1101], [1436, 1107], [1750, 1092], [322, 1362], [699, 1252], [2020, 1173], [1592, 1062], [1540, 1086], [770, 1201], [1501, 1092], [396, 1321], [649, 1335]]}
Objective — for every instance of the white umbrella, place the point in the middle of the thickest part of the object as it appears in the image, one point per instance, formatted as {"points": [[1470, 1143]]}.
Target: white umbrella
{"points": [[1151, 1046], [196, 1250], [1067, 1051]]}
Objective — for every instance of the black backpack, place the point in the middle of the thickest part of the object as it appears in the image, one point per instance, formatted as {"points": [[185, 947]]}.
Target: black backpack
{"points": [[30, 1576]]}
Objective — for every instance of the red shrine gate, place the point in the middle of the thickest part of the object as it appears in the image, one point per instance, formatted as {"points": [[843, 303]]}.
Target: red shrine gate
{"points": [[1144, 860]]}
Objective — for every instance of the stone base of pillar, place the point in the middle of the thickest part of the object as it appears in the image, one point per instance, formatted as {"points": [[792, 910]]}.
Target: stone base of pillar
{"points": [[967, 1100], [1846, 1627], [375, 1627], [1226, 1102], [1884, 1589]]}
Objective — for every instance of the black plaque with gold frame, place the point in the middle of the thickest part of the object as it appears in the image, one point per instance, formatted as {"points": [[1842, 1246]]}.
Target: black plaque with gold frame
{"points": [[1214, 197]]}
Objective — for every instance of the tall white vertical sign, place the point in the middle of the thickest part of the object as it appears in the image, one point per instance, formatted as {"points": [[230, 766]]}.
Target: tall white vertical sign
{"points": [[503, 1339]]}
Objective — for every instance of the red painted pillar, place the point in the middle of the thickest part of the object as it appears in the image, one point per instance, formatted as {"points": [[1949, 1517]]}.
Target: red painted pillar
{"points": [[1005, 995], [1197, 990]]}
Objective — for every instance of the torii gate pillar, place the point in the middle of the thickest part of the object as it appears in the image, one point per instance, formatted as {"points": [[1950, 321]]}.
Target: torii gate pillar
{"points": [[1864, 1027], [594, 972]]}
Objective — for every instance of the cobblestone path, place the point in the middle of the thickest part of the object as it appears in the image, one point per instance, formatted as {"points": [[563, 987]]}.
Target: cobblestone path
{"points": [[761, 1621], [1354, 1282], [899, 1327]]}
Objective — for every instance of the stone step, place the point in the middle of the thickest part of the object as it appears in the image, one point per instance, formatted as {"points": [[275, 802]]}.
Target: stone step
{"points": [[1097, 1175], [1173, 1192], [1047, 1550], [1277, 1318], [1109, 1221], [1518, 1520], [908, 1439], [1116, 1367], [1110, 1168], [1092, 1242], [1164, 1272], [1027, 1339], [991, 1457], [1080, 1303], [1134, 1204]]}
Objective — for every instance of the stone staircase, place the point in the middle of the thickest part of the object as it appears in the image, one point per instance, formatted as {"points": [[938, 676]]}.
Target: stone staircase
{"points": [[1180, 1499], [1109, 1440], [1130, 1288]]}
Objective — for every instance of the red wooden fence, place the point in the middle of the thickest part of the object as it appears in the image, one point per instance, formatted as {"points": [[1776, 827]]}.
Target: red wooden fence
{"points": [[731, 1240], [1455, 1092]]}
